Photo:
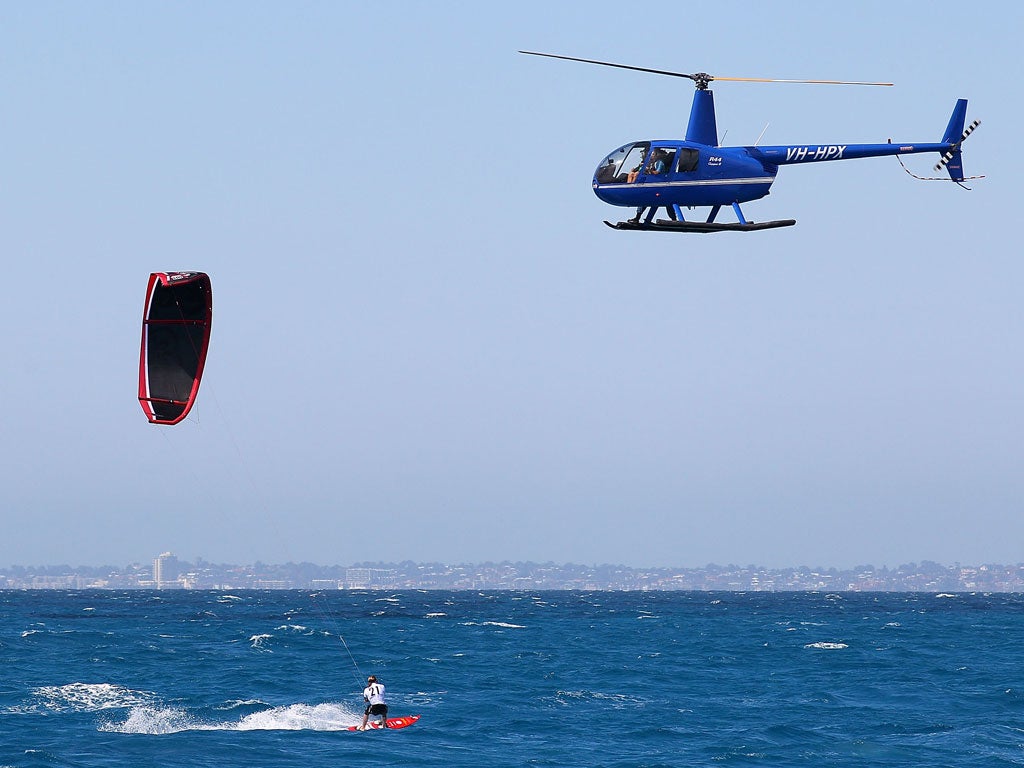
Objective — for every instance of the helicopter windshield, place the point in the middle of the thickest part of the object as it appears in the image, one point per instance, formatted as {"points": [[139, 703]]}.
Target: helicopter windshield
{"points": [[623, 165]]}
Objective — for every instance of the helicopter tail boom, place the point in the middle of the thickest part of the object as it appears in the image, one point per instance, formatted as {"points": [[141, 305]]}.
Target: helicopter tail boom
{"points": [[948, 148]]}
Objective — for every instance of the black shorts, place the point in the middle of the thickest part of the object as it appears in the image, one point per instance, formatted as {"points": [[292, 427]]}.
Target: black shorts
{"points": [[377, 709]]}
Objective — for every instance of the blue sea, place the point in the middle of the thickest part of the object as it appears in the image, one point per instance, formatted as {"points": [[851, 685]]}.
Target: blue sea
{"points": [[615, 679]]}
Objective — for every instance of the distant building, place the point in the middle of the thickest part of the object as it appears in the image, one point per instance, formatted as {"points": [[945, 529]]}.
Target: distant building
{"points": [[165, 571], [369, 578]]}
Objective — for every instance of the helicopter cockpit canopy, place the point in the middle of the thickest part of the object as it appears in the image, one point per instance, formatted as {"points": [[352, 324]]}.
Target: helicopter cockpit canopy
{"points": [[622, 163], [638, 162]]}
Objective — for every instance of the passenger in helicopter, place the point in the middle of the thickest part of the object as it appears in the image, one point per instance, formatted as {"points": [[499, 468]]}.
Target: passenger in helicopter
{"points": [[658, 163]]}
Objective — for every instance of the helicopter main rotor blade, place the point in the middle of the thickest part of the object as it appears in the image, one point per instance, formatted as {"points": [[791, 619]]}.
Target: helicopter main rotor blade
{"points": [[702, 79], [773, 80], [609, 64]]}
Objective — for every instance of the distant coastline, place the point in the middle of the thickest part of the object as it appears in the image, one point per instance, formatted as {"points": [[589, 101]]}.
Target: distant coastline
{"points": [[168, 572]]}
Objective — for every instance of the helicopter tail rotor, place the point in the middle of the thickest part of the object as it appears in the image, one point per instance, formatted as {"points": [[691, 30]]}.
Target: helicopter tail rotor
{"points": [[951, 159]]}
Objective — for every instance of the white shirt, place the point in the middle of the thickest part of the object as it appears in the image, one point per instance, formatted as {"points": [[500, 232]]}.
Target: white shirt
{"points": [[374, 693]]}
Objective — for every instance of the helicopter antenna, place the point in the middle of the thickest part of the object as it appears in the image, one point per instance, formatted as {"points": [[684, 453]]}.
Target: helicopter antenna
{"points": [[762, 134], [701, 79]]}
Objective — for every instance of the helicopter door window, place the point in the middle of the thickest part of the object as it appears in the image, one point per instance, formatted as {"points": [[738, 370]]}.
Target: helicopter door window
{"points": [[688, 160], [633, 164], [660, 162]]}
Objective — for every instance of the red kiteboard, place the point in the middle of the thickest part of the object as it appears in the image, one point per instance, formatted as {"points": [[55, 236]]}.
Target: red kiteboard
{"points": [[393, 722]]}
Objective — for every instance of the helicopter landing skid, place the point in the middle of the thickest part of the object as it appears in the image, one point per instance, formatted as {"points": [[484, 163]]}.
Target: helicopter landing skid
{"points": [[670, 225]]}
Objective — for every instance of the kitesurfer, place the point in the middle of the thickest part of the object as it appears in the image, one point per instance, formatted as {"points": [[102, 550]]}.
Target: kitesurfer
{"points": [[373, 695]]}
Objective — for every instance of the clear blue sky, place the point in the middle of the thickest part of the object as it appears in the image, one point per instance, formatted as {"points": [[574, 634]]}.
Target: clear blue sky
{"points": [[426, 345]]}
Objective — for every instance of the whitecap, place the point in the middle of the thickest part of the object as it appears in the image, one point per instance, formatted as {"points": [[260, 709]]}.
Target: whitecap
{"points": [[90, 697], [945, 594], [827, 646], [434, 615], [257, 642], [293, 627]]}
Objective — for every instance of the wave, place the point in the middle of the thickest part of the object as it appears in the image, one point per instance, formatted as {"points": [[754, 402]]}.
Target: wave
{"points": [[158, 720]]}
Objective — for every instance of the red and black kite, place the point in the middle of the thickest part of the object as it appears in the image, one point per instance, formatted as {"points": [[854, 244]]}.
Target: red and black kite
{"points": [[175, 336]]}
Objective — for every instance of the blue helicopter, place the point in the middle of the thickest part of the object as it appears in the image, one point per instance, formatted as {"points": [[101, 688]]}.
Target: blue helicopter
{"points": [[697, 172]]}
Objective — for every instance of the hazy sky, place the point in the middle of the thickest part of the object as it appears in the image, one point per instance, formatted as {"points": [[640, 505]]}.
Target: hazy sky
{"points": [[427, 346]]}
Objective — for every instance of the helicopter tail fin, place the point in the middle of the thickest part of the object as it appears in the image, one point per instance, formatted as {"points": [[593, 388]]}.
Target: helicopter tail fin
{"points": [[956, 123], [954, 135]]}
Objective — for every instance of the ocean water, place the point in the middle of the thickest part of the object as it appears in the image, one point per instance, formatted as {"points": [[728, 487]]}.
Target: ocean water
{"points": [[95, 678]]}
